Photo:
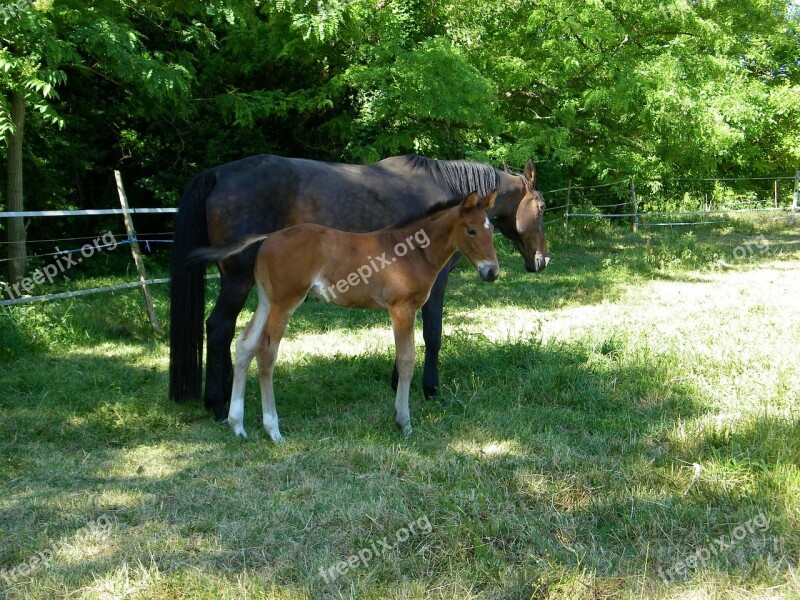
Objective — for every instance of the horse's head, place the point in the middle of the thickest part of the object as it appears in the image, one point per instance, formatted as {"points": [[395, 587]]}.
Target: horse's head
{"points": [[474, 235], [523, 222]]}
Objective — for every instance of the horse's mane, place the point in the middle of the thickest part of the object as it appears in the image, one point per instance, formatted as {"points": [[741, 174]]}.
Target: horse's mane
{"points": [[461, 176], [431, 211]]}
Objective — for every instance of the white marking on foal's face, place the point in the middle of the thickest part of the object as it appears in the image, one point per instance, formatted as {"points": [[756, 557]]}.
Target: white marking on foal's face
{"points": [[487, 225]]}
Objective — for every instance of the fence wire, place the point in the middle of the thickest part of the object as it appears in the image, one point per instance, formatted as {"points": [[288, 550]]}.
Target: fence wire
{"points": [[583, 195]]}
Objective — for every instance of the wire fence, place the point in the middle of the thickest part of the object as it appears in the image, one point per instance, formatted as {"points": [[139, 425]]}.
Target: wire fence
{"points": [[652, 204], [680, 202]]}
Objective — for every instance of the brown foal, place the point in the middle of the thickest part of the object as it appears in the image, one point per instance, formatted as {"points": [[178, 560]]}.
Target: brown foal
{"points": [[391, 269]]}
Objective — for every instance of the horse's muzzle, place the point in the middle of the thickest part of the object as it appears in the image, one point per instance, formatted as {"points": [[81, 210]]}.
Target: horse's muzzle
{"points": [[488, 272], [539, 263]]}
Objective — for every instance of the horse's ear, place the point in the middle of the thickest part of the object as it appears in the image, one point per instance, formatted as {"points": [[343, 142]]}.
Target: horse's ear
{"points": [[470, 201], [505, 167], [530, 172], [487, 201]]}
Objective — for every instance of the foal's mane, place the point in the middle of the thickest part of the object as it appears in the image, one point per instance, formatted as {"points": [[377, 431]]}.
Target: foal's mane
{"points": [[461, 176]]}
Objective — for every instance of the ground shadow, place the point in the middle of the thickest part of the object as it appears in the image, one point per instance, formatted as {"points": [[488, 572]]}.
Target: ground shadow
{"points": [[537, 458]]}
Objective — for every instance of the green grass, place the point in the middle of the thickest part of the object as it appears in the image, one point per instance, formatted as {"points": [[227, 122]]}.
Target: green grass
{"points": [[597, 423]]}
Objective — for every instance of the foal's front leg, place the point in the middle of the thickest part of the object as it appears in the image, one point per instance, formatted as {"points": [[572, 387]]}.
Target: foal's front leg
{"points": [[403, 317]]}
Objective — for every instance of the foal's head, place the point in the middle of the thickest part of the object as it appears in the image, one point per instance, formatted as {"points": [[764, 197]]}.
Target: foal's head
{"points": [[474, 235]]}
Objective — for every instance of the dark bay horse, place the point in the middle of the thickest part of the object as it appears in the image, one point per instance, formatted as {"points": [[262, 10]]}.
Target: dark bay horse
{"points": [[264, 193], [311, 258]]}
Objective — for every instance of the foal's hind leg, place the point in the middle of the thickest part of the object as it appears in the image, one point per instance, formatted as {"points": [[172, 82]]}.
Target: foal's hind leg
{"points": [[266, 355], [246, 345], [403, 325]]}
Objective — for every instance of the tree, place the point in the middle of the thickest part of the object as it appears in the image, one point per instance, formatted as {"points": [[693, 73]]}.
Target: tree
{"points": [[39, 41], [29, 56]]}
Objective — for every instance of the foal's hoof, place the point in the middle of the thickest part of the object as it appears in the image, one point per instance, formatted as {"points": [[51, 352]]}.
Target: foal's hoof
{"points": [[239, 431], [407, 430], [277, 438]]}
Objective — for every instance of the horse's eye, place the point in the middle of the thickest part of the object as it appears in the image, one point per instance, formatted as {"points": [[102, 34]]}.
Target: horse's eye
{"points": [[470, 231]]}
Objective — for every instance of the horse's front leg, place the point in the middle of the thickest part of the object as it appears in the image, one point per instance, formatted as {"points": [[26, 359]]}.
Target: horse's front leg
{"points": [[432, 330], [403, 317]]}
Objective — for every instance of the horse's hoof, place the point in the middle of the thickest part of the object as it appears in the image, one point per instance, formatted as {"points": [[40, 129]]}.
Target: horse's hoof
{"points": [[407, 430], [429, 391], [220, 411], [239, 431]]}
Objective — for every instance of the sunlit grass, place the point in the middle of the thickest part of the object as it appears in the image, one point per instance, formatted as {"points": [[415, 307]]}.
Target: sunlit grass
{"points": [[597, 423]]}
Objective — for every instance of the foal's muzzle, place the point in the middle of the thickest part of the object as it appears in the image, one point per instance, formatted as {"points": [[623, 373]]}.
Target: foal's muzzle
{"points": [[539, 263], [488, 272]]}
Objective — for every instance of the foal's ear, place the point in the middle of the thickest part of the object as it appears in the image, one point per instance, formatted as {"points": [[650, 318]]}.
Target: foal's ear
{"points": [[470, 201], [487, 202]]}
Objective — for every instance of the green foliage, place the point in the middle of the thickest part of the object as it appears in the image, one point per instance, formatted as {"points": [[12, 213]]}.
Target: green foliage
{"points": [[595, 91], [429, 100]]}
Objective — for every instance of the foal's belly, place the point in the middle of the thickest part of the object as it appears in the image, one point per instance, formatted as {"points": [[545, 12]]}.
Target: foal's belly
{"points": [[342, 293]]}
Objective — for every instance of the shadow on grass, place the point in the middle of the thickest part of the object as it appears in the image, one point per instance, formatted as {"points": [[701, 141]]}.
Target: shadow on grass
{"points": [[600, 265], [539, 460]]}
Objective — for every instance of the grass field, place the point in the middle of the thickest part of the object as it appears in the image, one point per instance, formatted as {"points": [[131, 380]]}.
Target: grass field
{"points": [[624, 425]]}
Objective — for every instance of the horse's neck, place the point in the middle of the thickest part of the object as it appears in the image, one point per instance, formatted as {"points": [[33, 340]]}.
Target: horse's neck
{"points": [[512, 189]]}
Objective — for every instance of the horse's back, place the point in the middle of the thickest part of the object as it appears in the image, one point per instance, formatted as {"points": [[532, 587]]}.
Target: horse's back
{"points": [[266, 193]]}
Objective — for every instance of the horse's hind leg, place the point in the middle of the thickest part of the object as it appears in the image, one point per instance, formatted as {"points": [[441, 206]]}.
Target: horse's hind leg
{"points": [[246, 346], [221, 326], [403, 325]]}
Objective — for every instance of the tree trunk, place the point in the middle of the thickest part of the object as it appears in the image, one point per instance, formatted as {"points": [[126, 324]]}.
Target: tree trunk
{"points": [[16, 226]]}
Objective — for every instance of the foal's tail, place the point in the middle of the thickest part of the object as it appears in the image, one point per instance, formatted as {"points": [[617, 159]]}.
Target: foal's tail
{"points": [[217, 253], [187, 291]]}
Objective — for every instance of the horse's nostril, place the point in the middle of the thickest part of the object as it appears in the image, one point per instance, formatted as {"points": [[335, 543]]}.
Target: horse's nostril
{"points": [[488, 273]]}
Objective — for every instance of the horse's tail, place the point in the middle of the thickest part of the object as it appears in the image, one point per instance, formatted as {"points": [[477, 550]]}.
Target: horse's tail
{"points": [[187, 291], [216, 253]]}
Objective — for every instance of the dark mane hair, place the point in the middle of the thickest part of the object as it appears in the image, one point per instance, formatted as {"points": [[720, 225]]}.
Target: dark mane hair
{"points": [[432, 210], [461, 176]]}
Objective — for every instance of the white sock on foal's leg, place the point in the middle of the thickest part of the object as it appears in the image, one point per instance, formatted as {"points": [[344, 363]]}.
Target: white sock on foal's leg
{"points": [[403, 325], [246, 346], [270, 415]]}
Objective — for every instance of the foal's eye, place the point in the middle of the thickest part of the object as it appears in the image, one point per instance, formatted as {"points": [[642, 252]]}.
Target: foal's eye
{"points": [[470, 231]]}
